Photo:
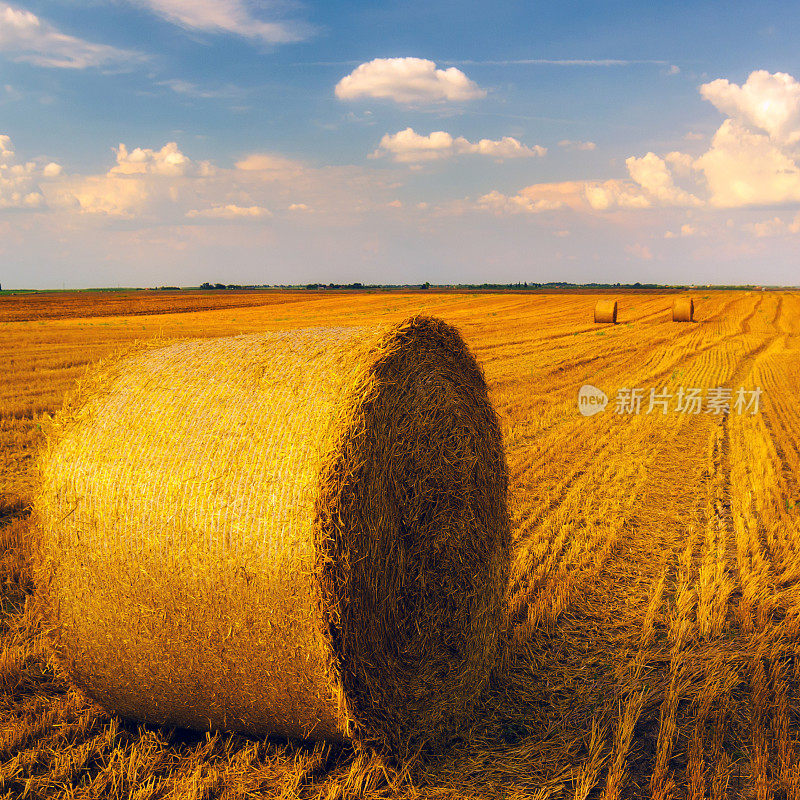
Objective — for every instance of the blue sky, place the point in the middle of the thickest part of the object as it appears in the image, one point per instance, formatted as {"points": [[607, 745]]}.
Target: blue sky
{"points": [[150, 142]]}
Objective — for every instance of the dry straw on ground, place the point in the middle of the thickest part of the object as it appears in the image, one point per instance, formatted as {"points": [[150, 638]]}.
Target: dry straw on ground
{"points": [[606, 311], [683, 309], [300, 533]]}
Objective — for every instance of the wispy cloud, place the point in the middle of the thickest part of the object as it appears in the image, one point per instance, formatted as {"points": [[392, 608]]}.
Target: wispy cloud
{"points": [[26, 37], [569, 144], [228, 16], [189, 89], [564, 62]]}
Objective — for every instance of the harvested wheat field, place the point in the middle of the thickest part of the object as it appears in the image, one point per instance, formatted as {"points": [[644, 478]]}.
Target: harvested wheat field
{"points": [[649, 645]]}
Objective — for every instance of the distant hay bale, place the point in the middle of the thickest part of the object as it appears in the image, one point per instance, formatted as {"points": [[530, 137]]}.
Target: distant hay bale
{"points": [[606, 311], [300, 533], [683, 309]]}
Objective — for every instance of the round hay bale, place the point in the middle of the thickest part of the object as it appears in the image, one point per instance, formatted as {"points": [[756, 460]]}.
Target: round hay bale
{"points": [[300, 533], [683, 309], [606, 311]]}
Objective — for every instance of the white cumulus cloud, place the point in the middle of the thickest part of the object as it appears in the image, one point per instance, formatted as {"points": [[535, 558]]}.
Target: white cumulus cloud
{"points": [[605, 195], [105, 195], [407, 80], [502, 204], [19, 181], [227, 16], [141, 178], [654, 176], [26, 37], [507, 147], [230, 211], [766, 102], [651, 186], [768, 228], [744, 168], [409, 147], [753, 160], [576, 195], [169, 160], [687, 229], [156, 186]]}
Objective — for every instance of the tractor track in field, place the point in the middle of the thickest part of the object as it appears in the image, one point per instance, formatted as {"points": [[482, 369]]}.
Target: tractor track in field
{"points": [[658, 516], [722, 518], [748, 318], [787, 473], [532, 517], [720, 472], [666, 516]]}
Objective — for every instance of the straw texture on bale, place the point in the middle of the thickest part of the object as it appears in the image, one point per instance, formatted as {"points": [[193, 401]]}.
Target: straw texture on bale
{"points": [[683, 309], [605, 311], [300, 533]]}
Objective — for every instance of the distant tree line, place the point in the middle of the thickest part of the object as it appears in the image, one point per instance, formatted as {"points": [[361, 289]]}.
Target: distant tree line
{"points": [[520, 285], [356, 285], [221, 286]]}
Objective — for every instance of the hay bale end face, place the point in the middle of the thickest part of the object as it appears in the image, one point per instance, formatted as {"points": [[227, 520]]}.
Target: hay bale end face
{"points": [[683, 309], [606, 311], [299, 533]]}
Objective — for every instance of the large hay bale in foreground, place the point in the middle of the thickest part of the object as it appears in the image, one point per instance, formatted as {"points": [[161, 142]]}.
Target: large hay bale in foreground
{"points": [[683, 309], [300, 533], [606, 311]]}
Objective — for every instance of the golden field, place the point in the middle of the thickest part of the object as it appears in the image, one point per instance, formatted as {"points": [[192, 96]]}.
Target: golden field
{"points": [[652, 646]]}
